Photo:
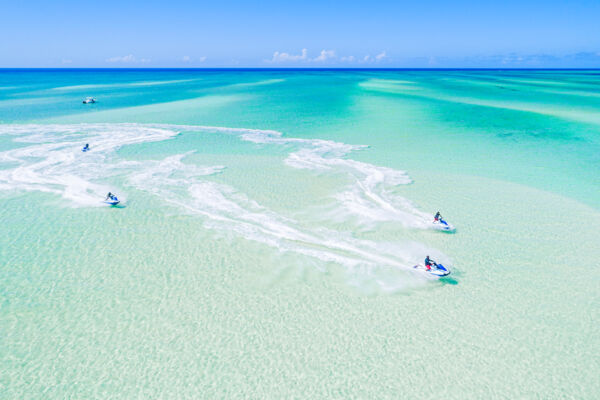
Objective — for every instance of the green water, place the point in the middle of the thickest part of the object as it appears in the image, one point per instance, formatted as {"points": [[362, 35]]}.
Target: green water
{"points": [[244, 264]]}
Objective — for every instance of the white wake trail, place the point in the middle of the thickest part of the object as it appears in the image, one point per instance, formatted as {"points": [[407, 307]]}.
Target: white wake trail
{"points": [[52, 162], [369, 197], [226, 210]]}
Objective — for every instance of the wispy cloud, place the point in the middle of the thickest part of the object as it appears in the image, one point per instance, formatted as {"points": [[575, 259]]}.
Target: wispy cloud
{"points": [[65, 61], [515, 60], [282, 57], [279, 57], [325, 55], [377, 58], [188, 59], [128, 59], [589, 59], [124, 59]]}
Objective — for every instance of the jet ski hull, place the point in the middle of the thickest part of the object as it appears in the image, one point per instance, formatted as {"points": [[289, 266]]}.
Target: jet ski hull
{"points": [[438, 270], [442, 225]]}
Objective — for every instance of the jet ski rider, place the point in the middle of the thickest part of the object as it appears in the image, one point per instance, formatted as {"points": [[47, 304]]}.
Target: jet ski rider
{"points": [[429, 262]]}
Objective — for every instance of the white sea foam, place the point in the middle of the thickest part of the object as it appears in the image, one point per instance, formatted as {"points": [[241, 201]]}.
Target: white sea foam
{"points": [[370, 196], [226, 210], [52, 162]]}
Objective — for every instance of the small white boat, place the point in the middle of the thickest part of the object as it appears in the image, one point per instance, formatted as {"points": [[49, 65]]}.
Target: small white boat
{"points": [[89, 100]]}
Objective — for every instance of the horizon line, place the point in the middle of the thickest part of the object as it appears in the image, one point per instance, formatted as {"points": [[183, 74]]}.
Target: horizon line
{"points": [[305, 68]]}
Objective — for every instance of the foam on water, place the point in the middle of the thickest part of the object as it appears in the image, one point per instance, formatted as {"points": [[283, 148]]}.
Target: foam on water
{"points": [[369, 197], [229, 211], [53, 163]]}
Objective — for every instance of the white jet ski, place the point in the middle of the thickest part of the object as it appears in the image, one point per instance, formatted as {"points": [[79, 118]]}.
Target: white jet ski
{"points": [[442, 225], [113, 201], [89, 100], [436, 269]]}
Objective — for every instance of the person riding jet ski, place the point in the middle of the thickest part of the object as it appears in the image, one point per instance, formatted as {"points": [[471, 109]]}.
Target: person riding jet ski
{"points": [[86, 147], [429, 263], [438, 217], [110, 196]]}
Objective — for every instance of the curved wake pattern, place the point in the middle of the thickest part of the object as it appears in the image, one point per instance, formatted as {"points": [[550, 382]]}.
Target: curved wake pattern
{"points": [[369, 197], [227, 210], [52, 162]]}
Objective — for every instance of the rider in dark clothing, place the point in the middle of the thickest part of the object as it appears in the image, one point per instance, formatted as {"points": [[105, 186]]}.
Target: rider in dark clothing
{"points": [[110, 196], [438, 216], [429, 262]]}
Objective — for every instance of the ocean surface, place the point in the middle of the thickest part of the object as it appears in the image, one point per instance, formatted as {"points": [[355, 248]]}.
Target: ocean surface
{"points": [[268, 227]]}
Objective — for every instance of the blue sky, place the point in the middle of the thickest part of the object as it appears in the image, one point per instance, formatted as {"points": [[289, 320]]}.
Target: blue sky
{"points": [[182, 33]]}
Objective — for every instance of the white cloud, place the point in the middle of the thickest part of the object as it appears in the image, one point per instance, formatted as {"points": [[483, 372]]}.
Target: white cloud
{"points": [[124, 59], [65, 61], [285, 57], [512, 59], [325, 55], [188, 59], [380, 56], [128, 59]]}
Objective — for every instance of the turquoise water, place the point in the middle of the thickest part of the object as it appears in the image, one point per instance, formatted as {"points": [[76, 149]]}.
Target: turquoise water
{"points": [[269, 223]]}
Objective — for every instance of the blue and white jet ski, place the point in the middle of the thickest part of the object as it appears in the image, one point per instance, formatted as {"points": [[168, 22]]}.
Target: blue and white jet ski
{"points": [[436, 269], [442, 225], [113, 201], [86, 148]]}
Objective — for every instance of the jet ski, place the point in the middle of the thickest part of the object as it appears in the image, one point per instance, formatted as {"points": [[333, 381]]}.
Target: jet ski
{"points": [[436, 269], [442, 225], [113, 201], [86, 148], [89, 100]]}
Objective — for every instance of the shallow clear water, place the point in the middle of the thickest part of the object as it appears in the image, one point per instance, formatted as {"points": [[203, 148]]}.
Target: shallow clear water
{"points": [[268, 228]]}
